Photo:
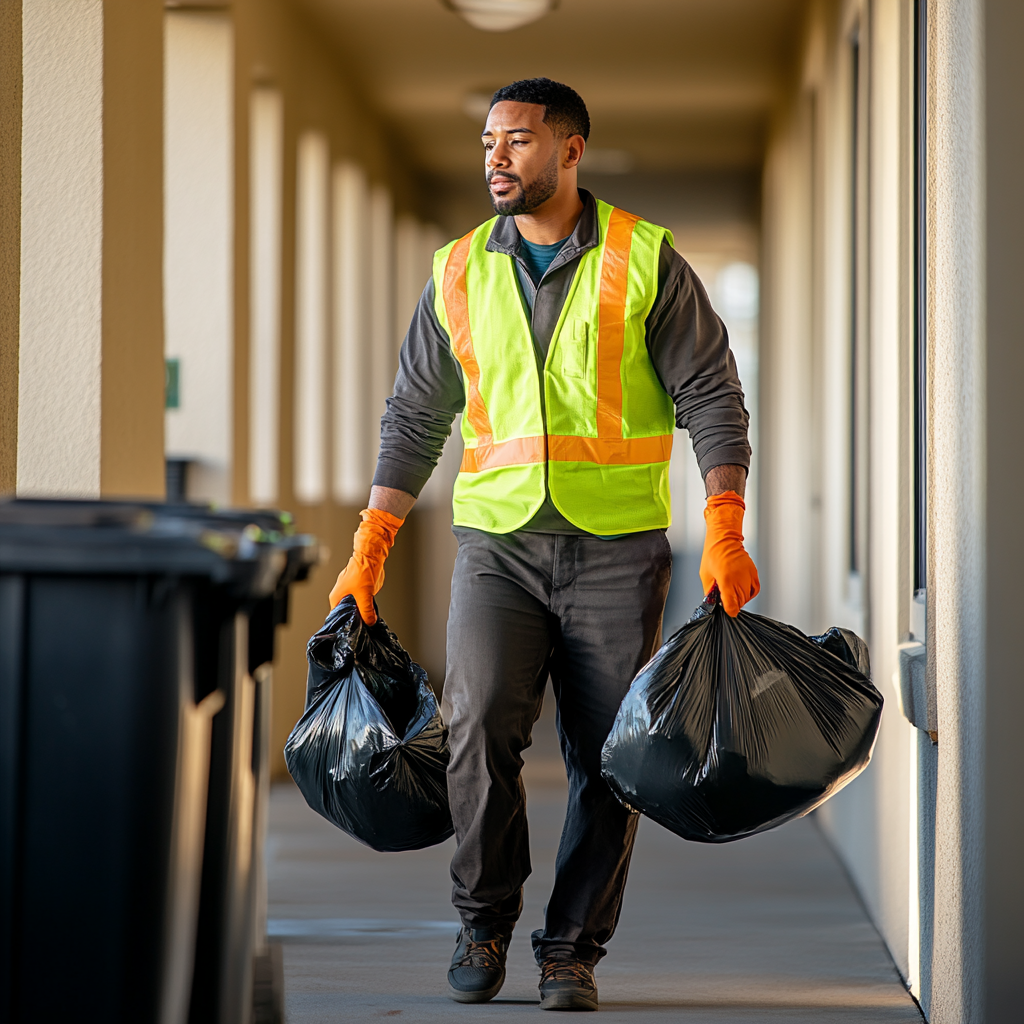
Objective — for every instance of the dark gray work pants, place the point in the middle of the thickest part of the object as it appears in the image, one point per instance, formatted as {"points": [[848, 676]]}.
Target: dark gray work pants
{"points": [[588, 612]]}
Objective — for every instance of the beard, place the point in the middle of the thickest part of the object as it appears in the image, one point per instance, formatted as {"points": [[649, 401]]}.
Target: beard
{"points": [[526, 198]]}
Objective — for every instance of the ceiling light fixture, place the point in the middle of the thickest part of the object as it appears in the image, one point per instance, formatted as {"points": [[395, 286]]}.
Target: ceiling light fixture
{"points": [[500, 15]]}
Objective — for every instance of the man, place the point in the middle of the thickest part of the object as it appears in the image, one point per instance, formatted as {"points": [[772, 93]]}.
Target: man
{"points": [[573, 339]]}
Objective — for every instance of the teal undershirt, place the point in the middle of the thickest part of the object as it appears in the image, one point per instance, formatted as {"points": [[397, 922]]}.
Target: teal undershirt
{"points": [[537, 259]]}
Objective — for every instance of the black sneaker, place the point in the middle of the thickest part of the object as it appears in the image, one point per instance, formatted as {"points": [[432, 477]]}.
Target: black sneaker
{"points": [[478, 965], [567, 983]]}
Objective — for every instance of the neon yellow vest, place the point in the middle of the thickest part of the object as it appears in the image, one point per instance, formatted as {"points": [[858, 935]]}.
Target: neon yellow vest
{"points": [[600, 440]]}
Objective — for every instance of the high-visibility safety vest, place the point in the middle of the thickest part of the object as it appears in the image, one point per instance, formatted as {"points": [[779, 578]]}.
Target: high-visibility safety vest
{"points": [[595, 428]]}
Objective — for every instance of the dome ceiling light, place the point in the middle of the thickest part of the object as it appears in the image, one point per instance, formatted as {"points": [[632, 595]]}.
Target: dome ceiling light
{"points": [[500, 15]]}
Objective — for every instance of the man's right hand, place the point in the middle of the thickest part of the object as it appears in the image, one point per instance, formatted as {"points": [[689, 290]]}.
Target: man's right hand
{"points": [[364, 575]]}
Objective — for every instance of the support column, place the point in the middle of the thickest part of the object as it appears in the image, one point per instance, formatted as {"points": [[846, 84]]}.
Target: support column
{"points": [[90, 381], [10, 237], [956, 516]]}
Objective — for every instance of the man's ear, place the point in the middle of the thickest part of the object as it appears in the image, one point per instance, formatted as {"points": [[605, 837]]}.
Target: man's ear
{"points": [[574, 147]]}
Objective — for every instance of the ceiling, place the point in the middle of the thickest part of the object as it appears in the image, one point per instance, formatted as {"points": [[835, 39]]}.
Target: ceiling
{"points": [[677, 85]]}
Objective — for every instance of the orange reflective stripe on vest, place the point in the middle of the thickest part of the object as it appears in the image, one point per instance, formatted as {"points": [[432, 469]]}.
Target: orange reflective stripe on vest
{"points": [[611, 451], [520, 451], [457, 303], [606, 451], [612, 322]]}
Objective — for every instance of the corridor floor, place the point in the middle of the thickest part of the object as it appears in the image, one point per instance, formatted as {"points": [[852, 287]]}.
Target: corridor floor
{"points": [[767, 929]]}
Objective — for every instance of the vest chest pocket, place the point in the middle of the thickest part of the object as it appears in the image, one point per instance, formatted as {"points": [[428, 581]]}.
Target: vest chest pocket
{"points": [[574, 347]]}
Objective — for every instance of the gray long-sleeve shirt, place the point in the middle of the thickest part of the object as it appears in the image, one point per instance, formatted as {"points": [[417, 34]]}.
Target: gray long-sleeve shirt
{"points": [[687, 342]]}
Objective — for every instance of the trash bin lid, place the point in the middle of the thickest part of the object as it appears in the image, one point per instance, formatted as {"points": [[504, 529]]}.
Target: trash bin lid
{"points": [[264, 525], [250, 553]]}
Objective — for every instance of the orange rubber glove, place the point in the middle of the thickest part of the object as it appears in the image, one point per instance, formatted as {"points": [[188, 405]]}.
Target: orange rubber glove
{"points": [[725, 560], [364, 575]]}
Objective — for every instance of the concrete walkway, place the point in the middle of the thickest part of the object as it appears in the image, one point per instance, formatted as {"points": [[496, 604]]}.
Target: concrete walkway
{"points": [[767, 929]]}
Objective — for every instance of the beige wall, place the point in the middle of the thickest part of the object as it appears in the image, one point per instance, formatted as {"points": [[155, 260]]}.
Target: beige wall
{"points": [[10, 238], [957, 475], [933, 835], [90, 378], [61, 300]]}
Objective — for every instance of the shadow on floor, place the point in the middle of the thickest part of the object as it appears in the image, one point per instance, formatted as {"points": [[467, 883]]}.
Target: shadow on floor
{"points": [[767, 929]]}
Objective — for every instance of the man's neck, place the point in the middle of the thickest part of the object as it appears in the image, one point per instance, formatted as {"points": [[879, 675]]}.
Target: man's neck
{"points": [[554, 220]]}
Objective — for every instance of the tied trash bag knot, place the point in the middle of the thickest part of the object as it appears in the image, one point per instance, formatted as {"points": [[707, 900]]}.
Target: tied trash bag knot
{"points": [[737, 725], [370, 752]]}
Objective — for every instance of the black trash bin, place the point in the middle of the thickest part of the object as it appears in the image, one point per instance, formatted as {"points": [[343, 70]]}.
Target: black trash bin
{"points": [[232, 913], [113, 618]]}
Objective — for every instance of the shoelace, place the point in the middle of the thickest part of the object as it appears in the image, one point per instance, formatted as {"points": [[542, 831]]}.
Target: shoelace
{"points": [[566, 969], [485, 955]]}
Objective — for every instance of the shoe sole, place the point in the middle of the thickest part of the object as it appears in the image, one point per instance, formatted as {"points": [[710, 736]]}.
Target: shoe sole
{"points": [[476, 997], [568, 1001]]}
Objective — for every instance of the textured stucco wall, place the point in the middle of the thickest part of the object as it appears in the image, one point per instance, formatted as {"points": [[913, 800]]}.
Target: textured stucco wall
{"points": [[61, 248], [90, 379], [956, 471], [10, 238]]}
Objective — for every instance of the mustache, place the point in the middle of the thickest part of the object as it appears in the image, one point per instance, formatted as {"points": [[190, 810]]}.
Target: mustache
{"points": [[505, 174]]}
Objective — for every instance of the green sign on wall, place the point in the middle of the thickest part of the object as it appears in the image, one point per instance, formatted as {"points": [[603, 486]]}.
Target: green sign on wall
{"points": [[172, 383]]}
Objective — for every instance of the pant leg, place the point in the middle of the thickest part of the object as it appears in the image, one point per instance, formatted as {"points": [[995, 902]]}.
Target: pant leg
{"points": [[609, 597], [499, 642]]}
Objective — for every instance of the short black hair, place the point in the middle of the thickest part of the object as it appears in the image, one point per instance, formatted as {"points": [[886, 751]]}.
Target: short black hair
{"points": [[565, 112]]}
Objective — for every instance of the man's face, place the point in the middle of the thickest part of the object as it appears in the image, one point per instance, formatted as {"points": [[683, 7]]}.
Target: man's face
{"points": [[522, 157]]}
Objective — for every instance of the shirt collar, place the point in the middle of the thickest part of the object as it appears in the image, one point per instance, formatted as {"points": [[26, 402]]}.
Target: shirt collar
{"points": [[505, 237]]}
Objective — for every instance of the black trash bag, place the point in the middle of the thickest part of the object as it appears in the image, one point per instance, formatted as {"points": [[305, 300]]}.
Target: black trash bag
{"points": [[370, 751], [738, 725]]}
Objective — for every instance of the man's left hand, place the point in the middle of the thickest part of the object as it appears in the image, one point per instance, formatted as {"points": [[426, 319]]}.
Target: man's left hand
{"points": [[725, 561]]}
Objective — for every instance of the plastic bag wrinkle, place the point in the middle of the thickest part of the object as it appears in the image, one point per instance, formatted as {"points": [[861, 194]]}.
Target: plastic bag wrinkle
{"points": [[370, 752], [738, 725]]}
